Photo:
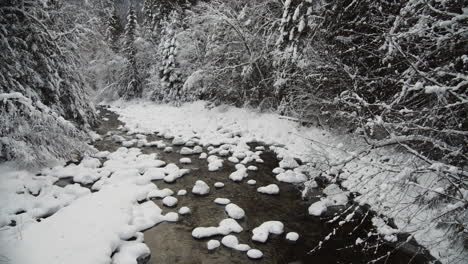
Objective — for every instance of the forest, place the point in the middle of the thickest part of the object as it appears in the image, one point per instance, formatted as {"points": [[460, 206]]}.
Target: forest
{"points": [[388, 77]]}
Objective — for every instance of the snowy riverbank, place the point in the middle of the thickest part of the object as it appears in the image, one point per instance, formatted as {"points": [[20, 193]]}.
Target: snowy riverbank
{"points": [[382, 177]]}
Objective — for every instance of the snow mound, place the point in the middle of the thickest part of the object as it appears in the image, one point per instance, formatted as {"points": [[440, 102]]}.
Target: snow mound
{"points": [[200, 188], [317, 208], [269, 189], [234, 211], [222, 201], [219, 185], [182, 192], [292, 236], [170, 201], [254, 254], [185, 160], [184, 210], [290, 176], [288, 162], [262, 232], [225, 227], [251, 182], [213, 244]]}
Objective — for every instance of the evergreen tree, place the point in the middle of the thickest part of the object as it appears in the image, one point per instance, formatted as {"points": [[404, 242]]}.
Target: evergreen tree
{"points": [[131, 83], [40, 85], [114, 30], [170, 78]]}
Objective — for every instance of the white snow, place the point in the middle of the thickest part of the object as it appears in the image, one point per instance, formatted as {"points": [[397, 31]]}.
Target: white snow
{"points": [[186, 151], [214, 163], [160, 193], [251, 182], [292, 236], [170, 201], [178, 141], [168, 149], [234, 211], [222, 201], [252, 168], [213, 244], [262, 232], [269, 189], [200, 188], [288, 163], [219, 185], [203, 156], [185, 160], [238, 175], [254, 254], [231, 241], [317, 208], [290, 176], [184, 210], [225, 227], [182, 192], [107, 218]]}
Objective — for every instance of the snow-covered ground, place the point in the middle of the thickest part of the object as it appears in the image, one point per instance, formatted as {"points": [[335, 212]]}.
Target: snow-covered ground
{"points": [[380, 176]]}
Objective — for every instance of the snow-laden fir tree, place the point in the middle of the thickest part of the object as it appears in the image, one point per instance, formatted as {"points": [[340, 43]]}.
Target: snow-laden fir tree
{"points": [[131, 85], [170, 77], [114, 30]]}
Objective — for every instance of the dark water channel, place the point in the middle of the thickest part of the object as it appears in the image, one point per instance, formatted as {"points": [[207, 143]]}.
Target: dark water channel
{"points": [[173, 242]]}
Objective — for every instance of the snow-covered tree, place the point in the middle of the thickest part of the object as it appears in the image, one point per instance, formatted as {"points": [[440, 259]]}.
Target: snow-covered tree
{"points": [[40, 84], [170, 77], [114, 30], [131, 84]]}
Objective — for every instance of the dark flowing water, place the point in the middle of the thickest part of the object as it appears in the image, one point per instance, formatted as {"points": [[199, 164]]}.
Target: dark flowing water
{"points": [[173, 242]]}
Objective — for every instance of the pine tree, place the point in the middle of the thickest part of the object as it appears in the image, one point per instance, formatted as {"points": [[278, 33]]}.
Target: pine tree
{"points": [[114, 30], [131, 82], [170, 78]]}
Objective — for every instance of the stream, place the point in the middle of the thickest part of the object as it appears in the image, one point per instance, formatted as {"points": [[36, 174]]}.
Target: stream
{"points": [[173, 242]]}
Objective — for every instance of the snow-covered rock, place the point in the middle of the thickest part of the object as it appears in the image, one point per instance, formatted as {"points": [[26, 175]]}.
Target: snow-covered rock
{"points": [[184, 210], [251, 182], [269, 189], [317, 208], [336, 195], [238, 175], [262, 232], [288, 162], [200, 188], [222, 201], [203, 156], [225, 227], [290, 176], [213, 244], [178, 141], [278, 170], [292, 236], [170, 201], [186, 151], [182, 192], [219, 185], [234, 211], [214, 163], [252, 168], [197, 150], [168, 149], [185, 160], [254, 254]]}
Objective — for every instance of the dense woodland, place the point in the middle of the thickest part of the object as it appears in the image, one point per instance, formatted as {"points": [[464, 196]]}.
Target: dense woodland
{"points": [[394, 73]]}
